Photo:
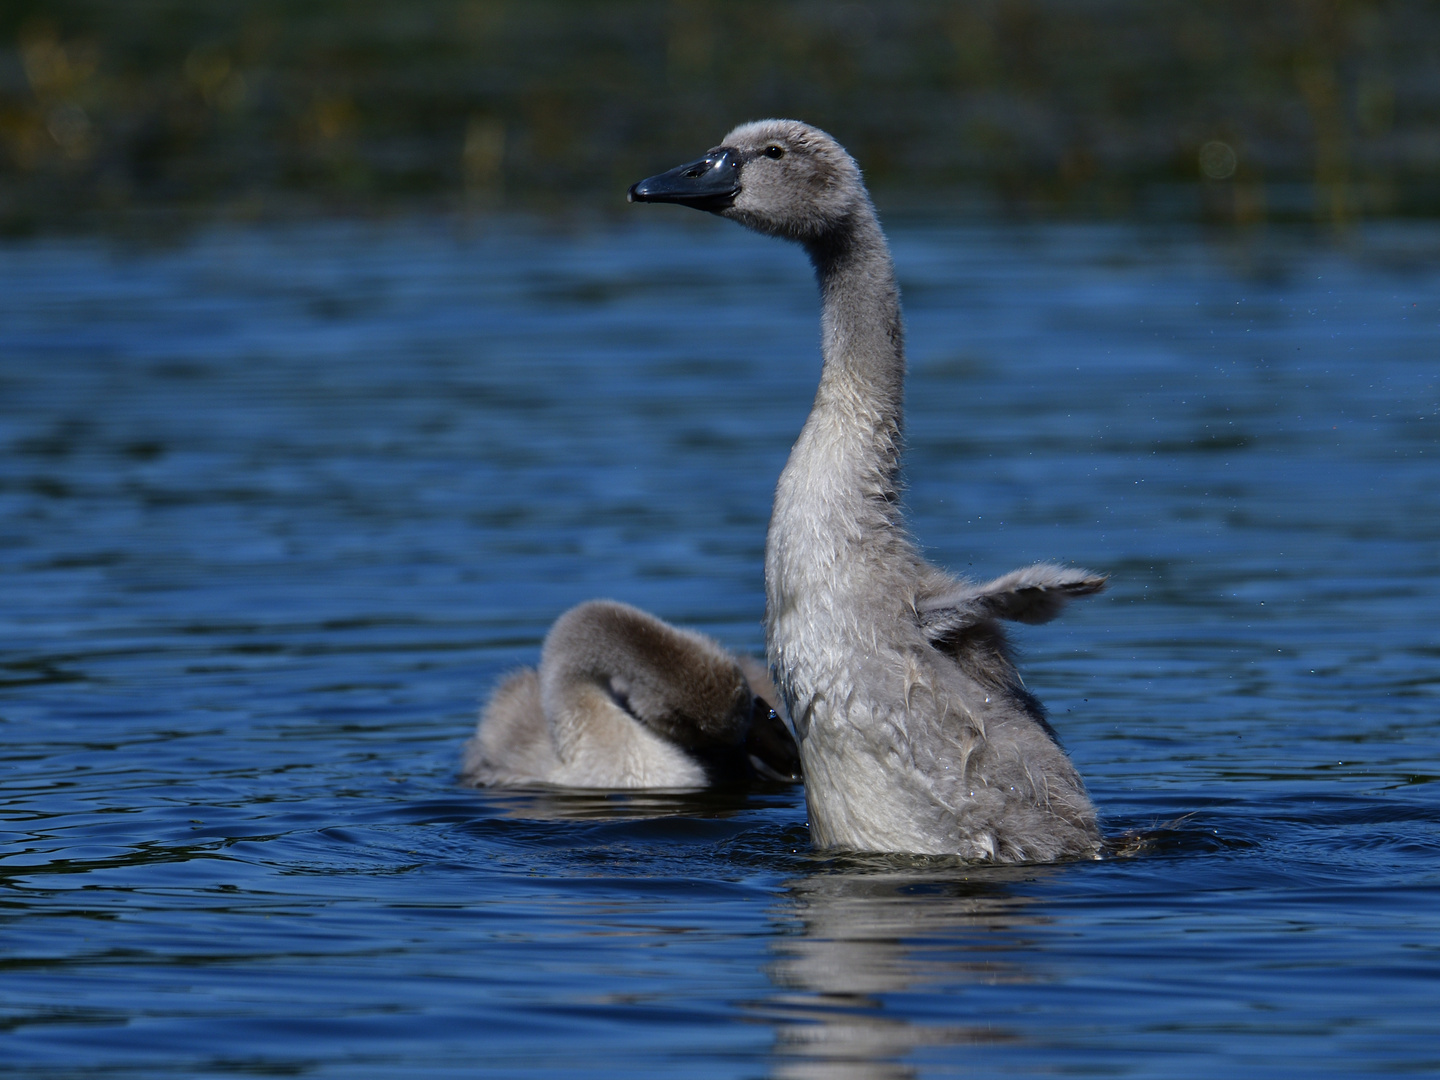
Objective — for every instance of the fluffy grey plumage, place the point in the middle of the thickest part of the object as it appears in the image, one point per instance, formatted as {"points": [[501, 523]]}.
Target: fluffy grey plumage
{"points": [[624, 700], [917, 734]]}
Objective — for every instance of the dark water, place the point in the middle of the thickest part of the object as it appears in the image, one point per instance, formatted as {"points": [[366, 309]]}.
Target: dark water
{"points": [[277, 506]]}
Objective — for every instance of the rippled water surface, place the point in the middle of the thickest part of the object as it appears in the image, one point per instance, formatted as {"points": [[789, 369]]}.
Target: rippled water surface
{"points": [[277, 506]]}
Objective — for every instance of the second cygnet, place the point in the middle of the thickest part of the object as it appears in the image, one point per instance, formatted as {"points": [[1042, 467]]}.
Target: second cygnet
{"points": [[624, 700]]}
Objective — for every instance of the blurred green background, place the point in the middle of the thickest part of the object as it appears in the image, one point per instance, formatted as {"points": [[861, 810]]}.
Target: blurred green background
{"points": [[1227, 110]]}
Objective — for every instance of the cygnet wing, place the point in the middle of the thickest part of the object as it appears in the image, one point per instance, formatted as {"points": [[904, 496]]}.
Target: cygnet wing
{"points": [[1033, 594]]}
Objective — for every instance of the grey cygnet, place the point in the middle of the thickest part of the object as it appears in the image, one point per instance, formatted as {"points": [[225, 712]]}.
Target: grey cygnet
{"points": [[916, 731], [625, 700]]}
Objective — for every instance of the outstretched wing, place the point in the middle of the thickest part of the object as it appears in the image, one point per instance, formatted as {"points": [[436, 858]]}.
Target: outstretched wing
{"points": [[1034, 594]]}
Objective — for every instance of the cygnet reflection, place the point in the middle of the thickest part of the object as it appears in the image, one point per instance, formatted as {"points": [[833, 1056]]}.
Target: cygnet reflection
{"points": [[864, 938]]}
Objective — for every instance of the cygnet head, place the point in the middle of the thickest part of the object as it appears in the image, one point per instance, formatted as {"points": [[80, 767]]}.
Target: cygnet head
{"points": [[778, 177], [676, 682]]}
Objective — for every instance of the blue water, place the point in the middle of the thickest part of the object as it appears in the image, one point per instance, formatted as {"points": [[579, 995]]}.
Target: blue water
{"points": [[279, 504]]}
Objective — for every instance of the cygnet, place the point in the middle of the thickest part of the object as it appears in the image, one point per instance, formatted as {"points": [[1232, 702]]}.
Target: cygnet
{"points": [[625, 700], [916, 731]]}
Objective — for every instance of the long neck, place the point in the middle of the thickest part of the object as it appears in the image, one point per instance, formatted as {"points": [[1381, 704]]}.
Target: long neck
{"points": [[839, 564], [862, 338], [839, 485], [836, 529]]}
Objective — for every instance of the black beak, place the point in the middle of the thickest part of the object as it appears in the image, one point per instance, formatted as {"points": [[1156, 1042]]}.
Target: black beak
{"points": [[708, 184], [770, 746]]}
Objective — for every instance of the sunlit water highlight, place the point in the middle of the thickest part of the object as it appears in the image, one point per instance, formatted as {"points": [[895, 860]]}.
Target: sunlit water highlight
{"points": [[278, 505]]}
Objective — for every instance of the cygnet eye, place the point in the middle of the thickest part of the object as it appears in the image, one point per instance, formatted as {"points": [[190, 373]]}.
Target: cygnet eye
{"points": [[773, 151]]}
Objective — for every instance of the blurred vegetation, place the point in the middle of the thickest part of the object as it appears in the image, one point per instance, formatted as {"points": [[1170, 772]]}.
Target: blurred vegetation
{"points": [[1226, 109]]}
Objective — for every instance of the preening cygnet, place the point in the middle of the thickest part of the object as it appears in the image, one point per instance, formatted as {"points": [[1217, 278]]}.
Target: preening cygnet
{"points": [[624, 700], [916, 732]]}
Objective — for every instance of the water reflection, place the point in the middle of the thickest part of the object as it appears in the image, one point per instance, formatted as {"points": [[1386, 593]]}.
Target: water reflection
{"points": [[869, 931], [561, 804]]}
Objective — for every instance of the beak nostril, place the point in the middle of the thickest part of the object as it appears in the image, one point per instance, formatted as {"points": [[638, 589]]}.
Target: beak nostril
{"points": [[706, 184]]}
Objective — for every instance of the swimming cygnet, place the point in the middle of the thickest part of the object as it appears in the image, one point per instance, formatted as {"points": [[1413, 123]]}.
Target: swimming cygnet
{"points": [[916, 731], [625, 700]]}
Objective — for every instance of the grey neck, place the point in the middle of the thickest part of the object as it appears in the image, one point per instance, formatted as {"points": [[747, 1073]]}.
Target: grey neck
{"points": [[837, 553], [862, 336]]}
